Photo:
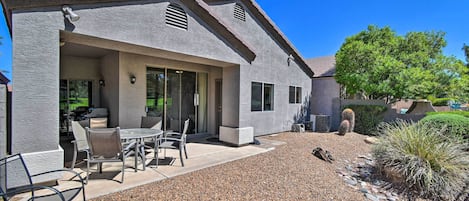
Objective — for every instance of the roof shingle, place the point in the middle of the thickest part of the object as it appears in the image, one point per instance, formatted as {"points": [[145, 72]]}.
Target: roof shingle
{"points": [[322, 66]]}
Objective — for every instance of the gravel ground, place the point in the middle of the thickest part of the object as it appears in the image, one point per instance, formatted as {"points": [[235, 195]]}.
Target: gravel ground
{"points": [[290, 172]]}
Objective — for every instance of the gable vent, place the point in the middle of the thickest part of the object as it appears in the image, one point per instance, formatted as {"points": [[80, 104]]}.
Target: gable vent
{"points": [[176, 16], [239, 12]]}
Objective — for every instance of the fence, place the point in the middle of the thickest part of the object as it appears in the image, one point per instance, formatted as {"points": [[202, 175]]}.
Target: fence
{"points": [[390, 115]]}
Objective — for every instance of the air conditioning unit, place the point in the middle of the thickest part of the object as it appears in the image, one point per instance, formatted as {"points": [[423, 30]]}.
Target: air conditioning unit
{"points": [[312, 119], [320, 123]]}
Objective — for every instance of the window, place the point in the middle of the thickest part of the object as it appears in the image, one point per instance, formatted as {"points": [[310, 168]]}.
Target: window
{"points": [[262, 97], [294, 94], [176, 16], [239, 12]]}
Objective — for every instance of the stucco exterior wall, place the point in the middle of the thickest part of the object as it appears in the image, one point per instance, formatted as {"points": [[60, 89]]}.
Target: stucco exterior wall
{"points": [[133, 96], [110, 92], [143, 23], [35, 103], [83, 68], [3, 120], [325, 89], [36, 72], [270, 66]]}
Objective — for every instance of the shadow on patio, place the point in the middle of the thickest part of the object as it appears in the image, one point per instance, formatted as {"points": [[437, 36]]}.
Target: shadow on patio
{"points": [[202, 152]]}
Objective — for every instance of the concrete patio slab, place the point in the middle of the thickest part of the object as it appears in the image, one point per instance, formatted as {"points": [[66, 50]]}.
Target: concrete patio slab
{"points": [[201, 154]]}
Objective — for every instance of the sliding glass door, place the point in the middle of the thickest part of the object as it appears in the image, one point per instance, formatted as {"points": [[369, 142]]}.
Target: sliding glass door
{"points": [[75, 99], [176, 95]]}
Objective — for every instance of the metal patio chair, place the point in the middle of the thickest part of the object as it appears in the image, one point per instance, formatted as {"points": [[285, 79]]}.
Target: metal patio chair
{"points": [[173, 140], [16, 182], [105, 146], [80, 143]]}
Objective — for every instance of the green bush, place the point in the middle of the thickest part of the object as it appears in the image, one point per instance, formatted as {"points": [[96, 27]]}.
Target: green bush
{"points": [[453, 124], [458, 112], [421, 161], [441, 101], [367, 117]]}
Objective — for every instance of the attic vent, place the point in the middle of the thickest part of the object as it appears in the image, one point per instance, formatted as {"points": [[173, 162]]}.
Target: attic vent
{"points": [[176, 16], [239, 12]]}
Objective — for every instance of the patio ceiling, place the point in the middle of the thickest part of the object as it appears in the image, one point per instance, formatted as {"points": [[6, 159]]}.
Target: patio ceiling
{"points": [[83, 45], [78, 50]]}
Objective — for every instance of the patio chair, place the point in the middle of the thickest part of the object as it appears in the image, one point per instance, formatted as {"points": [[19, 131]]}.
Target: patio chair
{"points": [[98, 122], [15, 179], [151, 122], [80, 143], [105, 146], [174, 140]]}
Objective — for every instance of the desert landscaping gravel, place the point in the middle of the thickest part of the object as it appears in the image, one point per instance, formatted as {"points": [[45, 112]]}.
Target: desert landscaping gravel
{"points": [[289, 172]]}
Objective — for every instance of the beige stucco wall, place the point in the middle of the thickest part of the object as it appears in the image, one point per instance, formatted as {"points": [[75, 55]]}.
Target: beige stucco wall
{"points": [[110, 92], [3, 120], [132, 97], [325, 89], [83, 68]]}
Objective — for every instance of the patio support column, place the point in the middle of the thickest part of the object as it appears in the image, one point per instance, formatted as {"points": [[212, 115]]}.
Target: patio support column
{"points": [[230, 97], [35, 102]]}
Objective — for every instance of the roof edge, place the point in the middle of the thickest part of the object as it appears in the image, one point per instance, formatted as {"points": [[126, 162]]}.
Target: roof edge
{"points": [[7, 14], [195, 5], [3, 79], [201, 8], [271, 27]]}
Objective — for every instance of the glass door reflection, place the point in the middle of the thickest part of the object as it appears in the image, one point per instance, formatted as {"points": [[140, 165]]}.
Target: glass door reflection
{"points": [[176, 95]]}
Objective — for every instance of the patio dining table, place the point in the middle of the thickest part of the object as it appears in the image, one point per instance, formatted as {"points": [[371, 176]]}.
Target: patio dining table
{"points": [[137, 135]]}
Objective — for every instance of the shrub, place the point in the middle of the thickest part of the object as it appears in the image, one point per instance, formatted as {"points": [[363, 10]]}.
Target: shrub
{"points": [[453, 124], [458, 112], [441, 101], [422, 161], [367, 117]]}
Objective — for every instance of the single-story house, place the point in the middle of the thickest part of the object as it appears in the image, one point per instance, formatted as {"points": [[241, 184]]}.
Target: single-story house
{"points": [[221, 63]]}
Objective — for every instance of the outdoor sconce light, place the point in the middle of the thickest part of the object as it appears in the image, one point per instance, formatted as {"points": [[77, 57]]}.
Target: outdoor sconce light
{"points": [[290, 59], [101, 83], [69, 14], [133, 79]]}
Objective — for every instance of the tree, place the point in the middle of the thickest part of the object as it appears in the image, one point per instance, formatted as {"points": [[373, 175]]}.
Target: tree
{"points": [[465, 48], [379, 64]]}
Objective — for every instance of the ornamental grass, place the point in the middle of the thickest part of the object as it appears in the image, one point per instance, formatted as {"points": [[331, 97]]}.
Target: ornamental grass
{"points": [[422, 161]]}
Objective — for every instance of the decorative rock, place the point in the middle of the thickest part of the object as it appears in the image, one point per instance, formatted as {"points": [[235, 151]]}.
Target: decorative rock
{"points": [[392, 198], [351, 181], [371, 140], [371, 197], [364, 190], [349, 167], [363, 184], [358, 175]]}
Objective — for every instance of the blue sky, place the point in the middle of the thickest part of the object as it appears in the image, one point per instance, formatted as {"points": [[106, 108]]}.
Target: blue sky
{"points": [[319, 27], [5, 47]]}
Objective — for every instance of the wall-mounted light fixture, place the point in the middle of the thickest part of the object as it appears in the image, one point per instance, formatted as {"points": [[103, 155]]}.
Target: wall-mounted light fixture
{"points": [[69, 14], [101, 83], [132, 78], [290, 59], [61, 42]]}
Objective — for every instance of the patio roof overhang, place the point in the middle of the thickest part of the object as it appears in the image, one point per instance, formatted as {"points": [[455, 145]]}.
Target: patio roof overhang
{"points": [[139, 49], [245, 51]]}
